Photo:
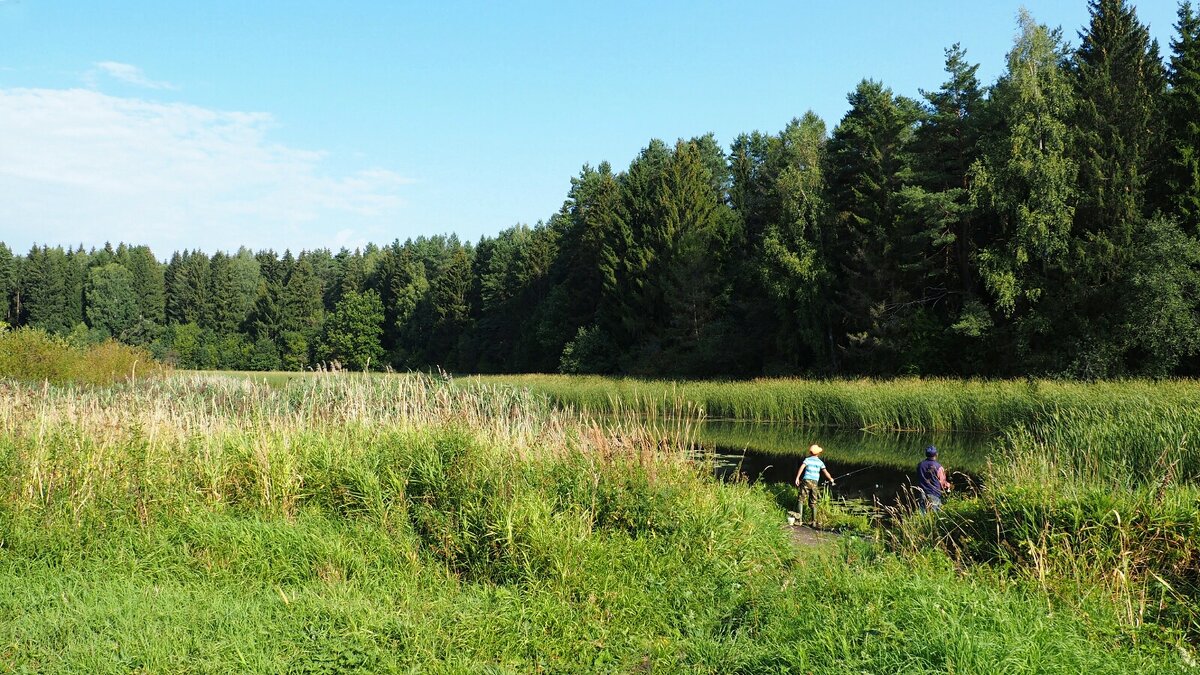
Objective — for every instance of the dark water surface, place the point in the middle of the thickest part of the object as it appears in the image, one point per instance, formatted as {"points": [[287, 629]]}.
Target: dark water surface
{"points": [[866, 466]]}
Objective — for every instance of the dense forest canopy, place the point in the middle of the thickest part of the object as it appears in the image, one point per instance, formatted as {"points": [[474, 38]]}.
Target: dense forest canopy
{"points": [[1046, 224]]}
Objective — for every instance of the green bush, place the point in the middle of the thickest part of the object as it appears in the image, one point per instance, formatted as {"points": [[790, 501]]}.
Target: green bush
{"points": [[33, 355]]}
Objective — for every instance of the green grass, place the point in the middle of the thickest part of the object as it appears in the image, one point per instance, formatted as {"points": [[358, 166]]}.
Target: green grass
{"points": [[844, 610], [929, 405], [214, 524]]}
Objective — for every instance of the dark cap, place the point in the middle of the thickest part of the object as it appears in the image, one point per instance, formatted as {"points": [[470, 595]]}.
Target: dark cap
{"points": [[931, 451]]}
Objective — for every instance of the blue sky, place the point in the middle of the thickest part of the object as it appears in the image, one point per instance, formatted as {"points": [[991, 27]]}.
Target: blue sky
{"points": [[303, 124]]}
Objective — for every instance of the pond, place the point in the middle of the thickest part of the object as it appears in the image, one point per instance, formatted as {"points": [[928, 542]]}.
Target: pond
{"points": [[866, 466]]}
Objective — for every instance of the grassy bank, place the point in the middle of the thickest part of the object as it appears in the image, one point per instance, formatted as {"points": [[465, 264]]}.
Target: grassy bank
{"points": [[210, 524], [1088, 504], [930, 405], [1091, 487]]}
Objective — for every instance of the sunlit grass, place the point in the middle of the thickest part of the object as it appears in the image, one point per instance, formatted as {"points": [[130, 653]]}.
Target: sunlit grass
{"points": [[204, 523]]}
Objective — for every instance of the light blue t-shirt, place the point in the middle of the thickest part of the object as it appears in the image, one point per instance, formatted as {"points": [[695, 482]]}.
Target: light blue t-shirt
{"points": [[812, 467]]}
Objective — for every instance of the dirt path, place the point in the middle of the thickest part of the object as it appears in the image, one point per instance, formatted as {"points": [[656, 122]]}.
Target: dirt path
{"points": [[806, 537]]}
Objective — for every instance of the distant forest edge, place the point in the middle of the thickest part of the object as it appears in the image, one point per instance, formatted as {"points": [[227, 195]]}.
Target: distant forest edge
{"points": [[1048, 224]]}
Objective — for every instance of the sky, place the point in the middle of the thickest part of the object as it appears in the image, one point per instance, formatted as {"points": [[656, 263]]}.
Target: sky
{"points": [[296, 125]]}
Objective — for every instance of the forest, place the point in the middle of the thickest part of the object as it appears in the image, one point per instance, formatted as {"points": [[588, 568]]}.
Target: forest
{"points": [[1046, 224]]}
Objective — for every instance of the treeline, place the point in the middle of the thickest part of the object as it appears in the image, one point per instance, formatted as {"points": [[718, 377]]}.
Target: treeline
{"points": [[1046, 224]]}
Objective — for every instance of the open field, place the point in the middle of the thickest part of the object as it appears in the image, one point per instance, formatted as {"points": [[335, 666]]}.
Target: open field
{"points": [[210, 524]]}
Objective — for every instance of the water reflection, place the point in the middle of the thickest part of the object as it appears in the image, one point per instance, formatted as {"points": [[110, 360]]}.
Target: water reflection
{"points": [[865, 465]]}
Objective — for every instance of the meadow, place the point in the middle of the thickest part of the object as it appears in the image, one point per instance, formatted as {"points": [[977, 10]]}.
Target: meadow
{"points": [[209, 523]]}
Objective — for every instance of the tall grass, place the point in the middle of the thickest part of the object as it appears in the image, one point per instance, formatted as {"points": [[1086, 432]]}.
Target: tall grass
{"points": [[1091, 488], [1090, 502], [208, 524], [929, 405]]}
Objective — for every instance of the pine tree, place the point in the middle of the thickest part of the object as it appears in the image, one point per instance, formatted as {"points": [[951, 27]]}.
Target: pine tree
{"points": [[938, 223], [945, 146]]}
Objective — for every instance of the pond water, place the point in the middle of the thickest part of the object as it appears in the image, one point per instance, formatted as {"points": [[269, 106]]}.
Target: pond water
{"points": [[866, 466]]}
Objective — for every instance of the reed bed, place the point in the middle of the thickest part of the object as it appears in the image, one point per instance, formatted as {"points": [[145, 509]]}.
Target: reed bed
{"points": [[913, 404]]}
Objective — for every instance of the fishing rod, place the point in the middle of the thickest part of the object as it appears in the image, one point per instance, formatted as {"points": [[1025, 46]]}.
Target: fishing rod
{"points": [[851, 473]]}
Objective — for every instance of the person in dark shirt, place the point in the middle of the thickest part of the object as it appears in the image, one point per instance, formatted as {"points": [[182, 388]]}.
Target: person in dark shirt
{"points": [[931, 478]]}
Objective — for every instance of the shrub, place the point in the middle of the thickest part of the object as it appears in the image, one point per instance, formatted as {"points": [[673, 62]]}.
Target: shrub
{"points": [[33, 355]]}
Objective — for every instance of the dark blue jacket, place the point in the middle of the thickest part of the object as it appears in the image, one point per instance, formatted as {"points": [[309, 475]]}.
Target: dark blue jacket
{"points": [[927, 477]]}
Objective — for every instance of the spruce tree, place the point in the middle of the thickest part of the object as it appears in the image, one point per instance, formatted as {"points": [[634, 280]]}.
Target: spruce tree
{"points": [[692, 286], [1181, 171], [8, 285], [74, 281], [593, 258], [1119, 86], [868, 163], [265, 319], [301, 299], [148, 283], [188, 287], [233, 289], [1119, 83], [449, 298], [45, 290]]}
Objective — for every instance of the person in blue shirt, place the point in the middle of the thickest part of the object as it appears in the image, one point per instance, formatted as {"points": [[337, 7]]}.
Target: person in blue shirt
{"points": [[806, 479], [931, 478]]}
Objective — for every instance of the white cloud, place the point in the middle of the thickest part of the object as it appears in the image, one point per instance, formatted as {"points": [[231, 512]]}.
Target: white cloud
{"points": [[80, 166], [127, 73]]}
